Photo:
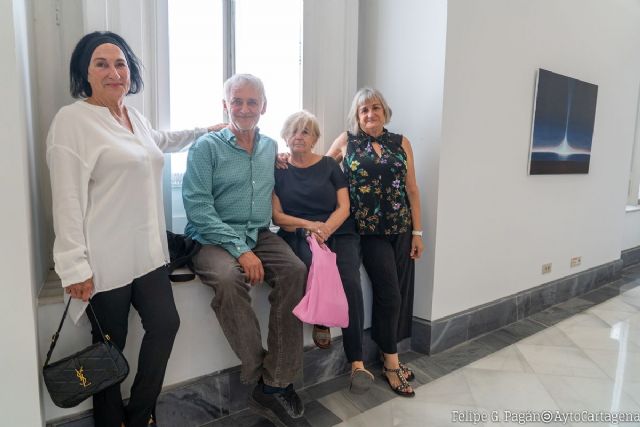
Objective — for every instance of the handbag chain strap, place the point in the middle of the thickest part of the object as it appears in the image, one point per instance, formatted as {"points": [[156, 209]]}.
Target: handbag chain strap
{"points": [[54, 338]]}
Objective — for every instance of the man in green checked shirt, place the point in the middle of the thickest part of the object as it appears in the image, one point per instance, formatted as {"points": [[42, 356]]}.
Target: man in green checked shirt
{"points": [[227, 196]]}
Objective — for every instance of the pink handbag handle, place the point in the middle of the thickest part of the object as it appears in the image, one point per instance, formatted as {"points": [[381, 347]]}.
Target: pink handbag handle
{"points": [[313, 244]]}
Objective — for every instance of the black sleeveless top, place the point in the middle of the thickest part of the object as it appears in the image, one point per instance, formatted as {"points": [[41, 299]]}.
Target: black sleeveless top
{"points": [[377, 191]]}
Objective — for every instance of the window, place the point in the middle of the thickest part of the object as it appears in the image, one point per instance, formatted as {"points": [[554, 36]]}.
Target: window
{"points": [[209, 40]]}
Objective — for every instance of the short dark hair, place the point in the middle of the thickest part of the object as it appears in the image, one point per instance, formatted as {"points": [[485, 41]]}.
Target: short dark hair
{"points": [[81, 57]]}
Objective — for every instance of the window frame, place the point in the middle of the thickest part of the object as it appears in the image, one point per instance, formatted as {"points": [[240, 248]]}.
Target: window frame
{"points": [[323, 69]]}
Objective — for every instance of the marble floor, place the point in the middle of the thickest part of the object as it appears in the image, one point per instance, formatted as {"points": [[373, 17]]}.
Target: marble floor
{"points": [[577, 362]]}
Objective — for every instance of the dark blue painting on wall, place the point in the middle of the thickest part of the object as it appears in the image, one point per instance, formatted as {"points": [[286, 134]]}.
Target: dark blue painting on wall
{"points": [[564, 115]]}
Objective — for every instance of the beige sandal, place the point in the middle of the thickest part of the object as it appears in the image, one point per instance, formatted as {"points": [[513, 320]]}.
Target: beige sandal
{"points": [[361, 381]]}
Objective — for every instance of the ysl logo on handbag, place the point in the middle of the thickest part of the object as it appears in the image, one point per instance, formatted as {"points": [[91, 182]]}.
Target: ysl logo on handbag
{"points": [[84, 382]]}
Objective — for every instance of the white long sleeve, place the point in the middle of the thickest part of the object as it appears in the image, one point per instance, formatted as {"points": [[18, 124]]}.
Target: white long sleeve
{"points": [[107, 196]]}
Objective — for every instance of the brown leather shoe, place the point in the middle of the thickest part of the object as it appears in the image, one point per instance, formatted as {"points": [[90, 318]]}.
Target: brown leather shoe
{"points": [[321, 336]]}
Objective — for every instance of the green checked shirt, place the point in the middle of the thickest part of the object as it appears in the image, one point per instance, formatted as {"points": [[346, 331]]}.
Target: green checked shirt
{"points": [[227, 191]]}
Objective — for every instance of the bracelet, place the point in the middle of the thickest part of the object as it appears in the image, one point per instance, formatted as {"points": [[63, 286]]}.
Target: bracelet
{"points": [[416, 233]]}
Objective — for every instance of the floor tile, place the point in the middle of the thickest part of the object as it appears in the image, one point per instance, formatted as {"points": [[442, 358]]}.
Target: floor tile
{"points": [[611, 317], [599, 339], [552, 336], [514, 390], [461, 355], [559, 361], [341, 407], [452, 388], [551, 316], [619, 366], [616, 304], [320, 416], [522, 329], [508, 359], [586, 319], [328, 387], [244, 418], [429, 367], [378, 416], [593, 394]]}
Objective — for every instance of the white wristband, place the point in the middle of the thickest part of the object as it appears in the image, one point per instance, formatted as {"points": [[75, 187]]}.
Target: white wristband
{"points": [[416, 233]]}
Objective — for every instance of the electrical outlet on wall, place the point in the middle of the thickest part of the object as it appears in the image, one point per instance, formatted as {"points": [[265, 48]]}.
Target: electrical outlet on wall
{"points": [[546, 268], [576, 261]]}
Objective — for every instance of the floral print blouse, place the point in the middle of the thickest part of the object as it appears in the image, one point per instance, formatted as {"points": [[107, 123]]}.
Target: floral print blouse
{"points": [[377, 190]]}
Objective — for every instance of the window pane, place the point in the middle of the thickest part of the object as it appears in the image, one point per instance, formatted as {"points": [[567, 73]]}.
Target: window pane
{"points": [[269, 45], [195, 66]]}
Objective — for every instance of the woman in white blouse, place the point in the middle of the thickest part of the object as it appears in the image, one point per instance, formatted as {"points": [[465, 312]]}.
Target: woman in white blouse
{"points": [[106, 165]]}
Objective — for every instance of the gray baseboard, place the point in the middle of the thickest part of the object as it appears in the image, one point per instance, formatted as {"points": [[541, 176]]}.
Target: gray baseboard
{"points": [[630, 256], [432, 337]]}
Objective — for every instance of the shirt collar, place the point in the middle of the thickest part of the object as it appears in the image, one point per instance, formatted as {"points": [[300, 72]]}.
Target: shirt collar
{"points": [[230, 137], [363, 138]]}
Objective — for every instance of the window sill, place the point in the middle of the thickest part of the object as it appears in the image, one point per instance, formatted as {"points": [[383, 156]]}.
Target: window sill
{"points": [[52, 292], [631, 208]]}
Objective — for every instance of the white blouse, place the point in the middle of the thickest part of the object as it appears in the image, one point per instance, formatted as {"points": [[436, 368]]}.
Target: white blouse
{"points": [[108, 213]]}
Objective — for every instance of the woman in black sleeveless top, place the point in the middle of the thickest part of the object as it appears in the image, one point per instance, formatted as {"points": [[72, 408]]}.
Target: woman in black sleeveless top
{"points": [[385, 205]]}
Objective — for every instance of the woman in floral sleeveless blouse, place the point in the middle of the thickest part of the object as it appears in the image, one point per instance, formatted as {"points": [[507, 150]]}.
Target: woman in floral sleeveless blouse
{"points": [[385, 204]]}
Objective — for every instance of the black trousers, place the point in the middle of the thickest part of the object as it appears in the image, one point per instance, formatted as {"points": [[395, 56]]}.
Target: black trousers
{"points": [[152, 297], [391, 271], [347, 250]]}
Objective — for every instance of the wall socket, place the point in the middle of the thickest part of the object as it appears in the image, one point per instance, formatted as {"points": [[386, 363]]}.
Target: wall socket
{"points": [[576, 261], [546, 268]]}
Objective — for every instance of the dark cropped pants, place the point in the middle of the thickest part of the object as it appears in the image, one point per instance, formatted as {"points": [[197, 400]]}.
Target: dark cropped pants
{"points": [[347, 250], [152, 297], [391, 271]]}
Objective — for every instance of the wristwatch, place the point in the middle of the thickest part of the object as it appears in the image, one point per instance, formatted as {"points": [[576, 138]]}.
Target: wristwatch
{"points": [[416, 233]]}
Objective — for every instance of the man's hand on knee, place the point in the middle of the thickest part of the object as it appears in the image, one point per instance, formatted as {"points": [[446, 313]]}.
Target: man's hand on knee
{"points": [[252, 267]]}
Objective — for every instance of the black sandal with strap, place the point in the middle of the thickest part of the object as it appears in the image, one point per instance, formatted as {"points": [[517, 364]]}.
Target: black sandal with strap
{"points": [[408, 373], [403, 388]]}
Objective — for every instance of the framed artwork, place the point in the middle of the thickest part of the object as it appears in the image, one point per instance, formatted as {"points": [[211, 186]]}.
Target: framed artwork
{"points": [[563, 117]]}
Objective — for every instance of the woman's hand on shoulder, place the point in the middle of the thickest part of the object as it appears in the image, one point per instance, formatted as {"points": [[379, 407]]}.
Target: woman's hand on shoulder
{"points": [[282, 160], [417, 247], [82, 290], [216, 128]]}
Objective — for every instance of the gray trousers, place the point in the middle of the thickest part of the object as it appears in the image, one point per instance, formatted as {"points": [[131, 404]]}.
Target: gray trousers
{"points": [[286, 274]]}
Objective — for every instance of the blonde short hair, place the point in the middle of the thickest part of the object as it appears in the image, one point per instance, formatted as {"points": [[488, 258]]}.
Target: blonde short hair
{"points": [[362, 96], [300, 120]]}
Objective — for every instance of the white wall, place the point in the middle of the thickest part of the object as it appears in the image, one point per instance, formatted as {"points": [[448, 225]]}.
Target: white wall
{"points": [[631, 231], [58, 27], [496, 225], [329, 64], [401, 53], [20, 399]]}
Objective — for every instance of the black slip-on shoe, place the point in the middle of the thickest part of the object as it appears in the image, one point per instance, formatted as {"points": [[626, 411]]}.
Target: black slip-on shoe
{"points": [[283, 409]]}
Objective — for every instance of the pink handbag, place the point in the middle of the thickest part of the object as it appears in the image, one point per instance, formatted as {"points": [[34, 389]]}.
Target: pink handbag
{"points": [[324, 302]]}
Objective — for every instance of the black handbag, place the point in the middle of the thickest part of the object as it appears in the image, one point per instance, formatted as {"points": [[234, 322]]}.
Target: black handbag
{"points": [[181, 252], [83, 374]]}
